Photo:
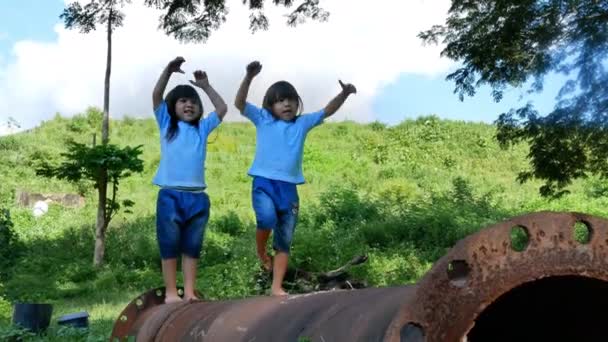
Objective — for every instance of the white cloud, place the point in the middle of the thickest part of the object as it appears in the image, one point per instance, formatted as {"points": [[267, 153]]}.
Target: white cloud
{"points": [[366, 45], [5, 130], [9, 127]]}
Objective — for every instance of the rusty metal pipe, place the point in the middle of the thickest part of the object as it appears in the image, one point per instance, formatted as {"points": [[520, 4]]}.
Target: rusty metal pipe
{"points": [[359, 315], [459, 291]]}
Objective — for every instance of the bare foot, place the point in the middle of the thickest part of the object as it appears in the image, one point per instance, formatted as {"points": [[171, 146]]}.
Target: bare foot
{"points": [[266, 262], [170, 299], [278, 292], [192, 298]]}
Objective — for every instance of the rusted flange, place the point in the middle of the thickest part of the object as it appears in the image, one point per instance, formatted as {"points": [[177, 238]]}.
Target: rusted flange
{"points": [[137, 311], [486, 265]]}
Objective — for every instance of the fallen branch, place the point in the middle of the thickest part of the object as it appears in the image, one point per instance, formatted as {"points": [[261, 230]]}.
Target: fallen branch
{"points": [[302, 281]]}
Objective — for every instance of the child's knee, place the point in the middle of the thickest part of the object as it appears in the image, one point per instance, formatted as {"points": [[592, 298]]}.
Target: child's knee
{"points": [[284, 233], [266, 221], [169, 248], [193, 236], [265, 212], [192, 245], [192, 249], [168, 236], [281, 245]]}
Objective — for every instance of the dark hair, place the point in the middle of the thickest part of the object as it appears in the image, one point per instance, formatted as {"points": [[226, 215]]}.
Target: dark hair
{"points": [[179, 92], [279, 91]]}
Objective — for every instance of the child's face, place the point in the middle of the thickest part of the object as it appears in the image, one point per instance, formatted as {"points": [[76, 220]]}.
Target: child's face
{"points": [[187, 109], [285, 109]]}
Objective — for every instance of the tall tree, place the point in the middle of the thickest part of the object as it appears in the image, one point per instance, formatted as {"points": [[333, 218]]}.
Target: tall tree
{"points": [[108, 14], [516, 43]]}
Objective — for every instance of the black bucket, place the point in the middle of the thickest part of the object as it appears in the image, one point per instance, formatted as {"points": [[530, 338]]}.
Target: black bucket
{"points": [[33, 317]]}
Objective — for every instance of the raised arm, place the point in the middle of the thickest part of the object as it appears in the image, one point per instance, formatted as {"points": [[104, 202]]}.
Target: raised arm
{"points": [[201, 81], [253, 69], [337, 101], [159, 89]]}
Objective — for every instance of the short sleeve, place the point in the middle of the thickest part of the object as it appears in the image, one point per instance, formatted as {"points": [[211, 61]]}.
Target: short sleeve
{"points": [[162, 115], [254, 113], [208, 124], [311, 120]]}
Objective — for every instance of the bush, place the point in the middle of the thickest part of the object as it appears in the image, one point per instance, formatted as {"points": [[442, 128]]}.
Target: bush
{"points": [[394, 267], [9, 244], [6, 309], [229, 223], [9, 143]]}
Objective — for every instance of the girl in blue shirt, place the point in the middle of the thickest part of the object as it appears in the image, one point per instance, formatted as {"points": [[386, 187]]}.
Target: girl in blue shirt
{"points": [[277, 167], [182, 209]]}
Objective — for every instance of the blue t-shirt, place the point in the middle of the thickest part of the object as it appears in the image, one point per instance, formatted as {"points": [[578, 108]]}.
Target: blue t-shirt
{"points": [[182, 162], [280, 144]]}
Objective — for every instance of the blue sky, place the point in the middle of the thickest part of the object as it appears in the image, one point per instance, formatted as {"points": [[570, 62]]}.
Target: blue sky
{"points": [[25, 20], [417, 95], [412, 94]]}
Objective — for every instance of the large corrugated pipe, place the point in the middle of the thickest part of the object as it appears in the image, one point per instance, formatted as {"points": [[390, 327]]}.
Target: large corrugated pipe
{"points": [[527, 278]]}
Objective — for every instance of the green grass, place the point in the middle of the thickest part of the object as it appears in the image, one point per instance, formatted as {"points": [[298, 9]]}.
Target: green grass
{"points": [[403, 195]]}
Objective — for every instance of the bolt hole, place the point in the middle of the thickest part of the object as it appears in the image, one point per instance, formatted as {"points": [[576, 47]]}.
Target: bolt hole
{"points": [[139, 302], [458, 272], [519, 238], [412, 332], [582, 232], [123, 318], [159, 293], [180, 292]]}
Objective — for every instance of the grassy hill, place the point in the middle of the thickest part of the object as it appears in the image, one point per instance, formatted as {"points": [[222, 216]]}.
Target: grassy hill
{"points": [[403, 195]]}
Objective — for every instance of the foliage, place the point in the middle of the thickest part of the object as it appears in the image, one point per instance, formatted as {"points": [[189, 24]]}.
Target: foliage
{"points": [[85, 18], [9, 244], [5, 308], [193, 21], [59, 334], [88, 163], [508, 43]]}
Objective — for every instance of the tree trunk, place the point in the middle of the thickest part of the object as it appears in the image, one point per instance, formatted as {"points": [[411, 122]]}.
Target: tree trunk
{"points": [[102, 222], [102, 219], [105, 126]]}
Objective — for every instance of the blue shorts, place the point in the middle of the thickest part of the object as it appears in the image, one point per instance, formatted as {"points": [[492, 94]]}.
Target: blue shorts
{"points": [[276, 206], [181, 217]]}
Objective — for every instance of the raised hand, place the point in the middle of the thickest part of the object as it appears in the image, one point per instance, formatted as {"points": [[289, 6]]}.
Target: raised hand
{"points": [[176, 65], [200, 79], [348, 89], [253, 68]]}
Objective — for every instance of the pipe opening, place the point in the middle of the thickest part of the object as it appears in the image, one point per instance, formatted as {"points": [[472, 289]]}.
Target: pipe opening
{"points": [[412, 332], [565, 308], [458, 272], [519, 238], [582, 232]]}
